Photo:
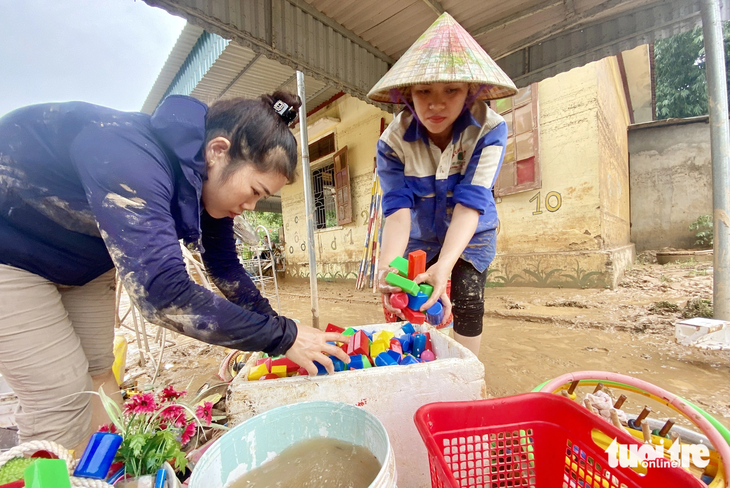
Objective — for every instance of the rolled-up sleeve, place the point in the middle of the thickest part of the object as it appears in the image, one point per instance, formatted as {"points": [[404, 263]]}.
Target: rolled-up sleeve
{"points": [[396, 194], [481, 172]]}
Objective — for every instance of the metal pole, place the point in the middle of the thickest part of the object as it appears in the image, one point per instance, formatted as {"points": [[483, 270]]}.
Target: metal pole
{"points": [[720, 140], [308, 198]]}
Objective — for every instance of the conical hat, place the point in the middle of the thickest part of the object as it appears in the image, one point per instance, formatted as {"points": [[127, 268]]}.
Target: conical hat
{"points": [[445, 53]]}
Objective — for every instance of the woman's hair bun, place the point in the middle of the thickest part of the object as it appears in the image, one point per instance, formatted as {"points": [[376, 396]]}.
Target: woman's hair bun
{"points": [[288, 112]]}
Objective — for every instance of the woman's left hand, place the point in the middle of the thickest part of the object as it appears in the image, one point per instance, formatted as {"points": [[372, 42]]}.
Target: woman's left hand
{"points": [[436, 276]]}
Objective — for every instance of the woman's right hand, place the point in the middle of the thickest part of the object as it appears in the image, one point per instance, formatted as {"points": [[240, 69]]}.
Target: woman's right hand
{"points": [[387, 290], [311, 345]]}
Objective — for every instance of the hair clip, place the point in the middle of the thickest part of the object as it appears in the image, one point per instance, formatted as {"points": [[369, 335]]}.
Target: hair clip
{"points": [[285, 111]]}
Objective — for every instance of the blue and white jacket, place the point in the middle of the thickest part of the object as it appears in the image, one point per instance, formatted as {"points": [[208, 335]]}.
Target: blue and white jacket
{"points": [[85, 188], [464, 173]]}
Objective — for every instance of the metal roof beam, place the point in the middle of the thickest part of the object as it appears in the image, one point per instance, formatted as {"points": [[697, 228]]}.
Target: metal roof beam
{"points": [[318, 93], [288, 80], [435, 6], [238, 76], [570, 8], [519, 15]]}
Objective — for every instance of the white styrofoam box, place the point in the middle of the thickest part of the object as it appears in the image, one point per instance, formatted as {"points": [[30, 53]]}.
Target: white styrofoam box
{"points": [[391, 393], [703, 333]]}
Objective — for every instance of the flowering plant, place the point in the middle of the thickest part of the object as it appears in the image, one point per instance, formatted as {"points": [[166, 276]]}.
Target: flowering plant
{"points": [[154, 428]]}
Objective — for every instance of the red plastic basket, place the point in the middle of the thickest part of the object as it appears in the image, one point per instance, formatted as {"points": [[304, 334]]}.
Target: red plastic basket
{"points": [[532, 440]]}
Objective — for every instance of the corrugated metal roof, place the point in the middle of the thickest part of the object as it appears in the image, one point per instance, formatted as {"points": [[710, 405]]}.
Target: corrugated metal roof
{"points": [[179, 53], [350, 44]]}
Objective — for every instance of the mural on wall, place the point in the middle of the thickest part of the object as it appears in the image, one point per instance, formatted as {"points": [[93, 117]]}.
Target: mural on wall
{"points": [[534, 276]]}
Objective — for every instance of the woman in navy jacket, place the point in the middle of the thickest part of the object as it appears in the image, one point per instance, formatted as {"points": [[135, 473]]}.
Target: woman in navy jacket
{"points": [[86, 189]]}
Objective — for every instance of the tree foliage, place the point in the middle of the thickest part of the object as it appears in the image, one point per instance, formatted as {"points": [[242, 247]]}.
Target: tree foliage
{"points": [[681, 84], [271, 220]]}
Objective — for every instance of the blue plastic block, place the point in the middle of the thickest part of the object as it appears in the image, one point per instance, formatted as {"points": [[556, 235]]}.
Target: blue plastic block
{"points": [[320, 369], [339, 364], [98, 456], [369, 334], [408, 328], [384, 359], [419, 344], [356, 362], [406, 341], [408, 359], [435, 314], [415, 303], [395, 355]]}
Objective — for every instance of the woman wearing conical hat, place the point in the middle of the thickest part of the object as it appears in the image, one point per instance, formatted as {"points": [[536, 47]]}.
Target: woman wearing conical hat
{"points": [[437, 162]]}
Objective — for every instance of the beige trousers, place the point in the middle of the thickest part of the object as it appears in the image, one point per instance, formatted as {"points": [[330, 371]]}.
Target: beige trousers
{"points": [[53, 339]]}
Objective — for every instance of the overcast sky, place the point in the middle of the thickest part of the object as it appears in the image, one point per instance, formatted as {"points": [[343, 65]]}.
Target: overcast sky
{"points": [[107, 52]]}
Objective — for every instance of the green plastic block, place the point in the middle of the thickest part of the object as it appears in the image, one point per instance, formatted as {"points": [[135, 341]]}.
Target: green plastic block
{"points": [[401, 264], [47, 473], [366, 362], [426, 289], [349, 332], [404, 284]]}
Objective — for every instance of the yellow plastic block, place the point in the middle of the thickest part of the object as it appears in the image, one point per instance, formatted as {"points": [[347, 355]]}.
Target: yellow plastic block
{"points": [[257, 372], [120, 358], [377, 347], [385, 336], [279, 371]]}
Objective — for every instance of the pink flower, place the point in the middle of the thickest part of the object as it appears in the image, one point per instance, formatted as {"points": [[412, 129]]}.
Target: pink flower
{"points": [[169, 394], [187, 433], [205, 412], [111, 428], [174, 414], [141, 403]]}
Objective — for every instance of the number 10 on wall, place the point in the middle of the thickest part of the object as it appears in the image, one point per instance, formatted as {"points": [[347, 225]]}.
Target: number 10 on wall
{"points": [[553, 202]]}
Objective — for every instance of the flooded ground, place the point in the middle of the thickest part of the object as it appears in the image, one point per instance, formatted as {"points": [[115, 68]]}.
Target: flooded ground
{"points": [[531, 334]]}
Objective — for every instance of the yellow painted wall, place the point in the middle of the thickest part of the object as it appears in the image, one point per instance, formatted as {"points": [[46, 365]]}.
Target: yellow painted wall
{"points": [[338, 250]]}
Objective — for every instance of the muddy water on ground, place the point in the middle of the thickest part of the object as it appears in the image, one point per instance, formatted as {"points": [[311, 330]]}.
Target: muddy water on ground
{"points": [[519, 355]]}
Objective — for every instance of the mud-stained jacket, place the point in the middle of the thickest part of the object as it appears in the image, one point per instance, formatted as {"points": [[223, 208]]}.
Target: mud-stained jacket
{"points": [[84, 188], [414, 173]]}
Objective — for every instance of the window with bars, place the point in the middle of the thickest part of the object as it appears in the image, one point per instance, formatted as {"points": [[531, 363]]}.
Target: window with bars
{"points": [[323, 188], [521, 166]]}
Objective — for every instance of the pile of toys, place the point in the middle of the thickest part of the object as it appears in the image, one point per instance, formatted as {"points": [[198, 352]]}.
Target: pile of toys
{"points": [[366, 349], [413, 296]]}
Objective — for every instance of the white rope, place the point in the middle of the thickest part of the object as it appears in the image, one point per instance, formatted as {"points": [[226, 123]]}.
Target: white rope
{"points": [[32, 447]]}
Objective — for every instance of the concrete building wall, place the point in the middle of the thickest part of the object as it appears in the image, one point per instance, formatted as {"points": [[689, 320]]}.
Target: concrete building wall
{"points": [[338, 250], [574, 231], [671, 181]]}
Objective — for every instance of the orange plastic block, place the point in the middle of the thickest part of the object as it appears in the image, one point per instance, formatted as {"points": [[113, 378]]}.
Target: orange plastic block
{"points": [[257, 372], [413, 316], [359, 344], [279, 371], [416, 263]]}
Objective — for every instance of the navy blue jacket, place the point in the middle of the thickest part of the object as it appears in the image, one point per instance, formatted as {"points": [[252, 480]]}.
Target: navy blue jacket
{"points": [[84, 188]]}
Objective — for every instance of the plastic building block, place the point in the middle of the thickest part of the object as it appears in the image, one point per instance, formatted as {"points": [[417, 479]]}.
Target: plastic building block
{"points": [[435, 314], [405, 341], [359, 344], [369, 334], [47, 473], [416, 302], [367, 362], [334, 328], [414, 316], [257, 372], [426, 289], [416, 263], [401, 264], [419, 344], [403, 283], [399, 300], [302, 371], [396, 345], [428, 341], [339, 364], [291, 366], [383, 335], [270, 376], [320, 369], [279, 371], [349, 332], [98, 455], [408, 359], [428, 355], [408, 329], [394, 355], [378, 347], [384, 359], [267, 361]]}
